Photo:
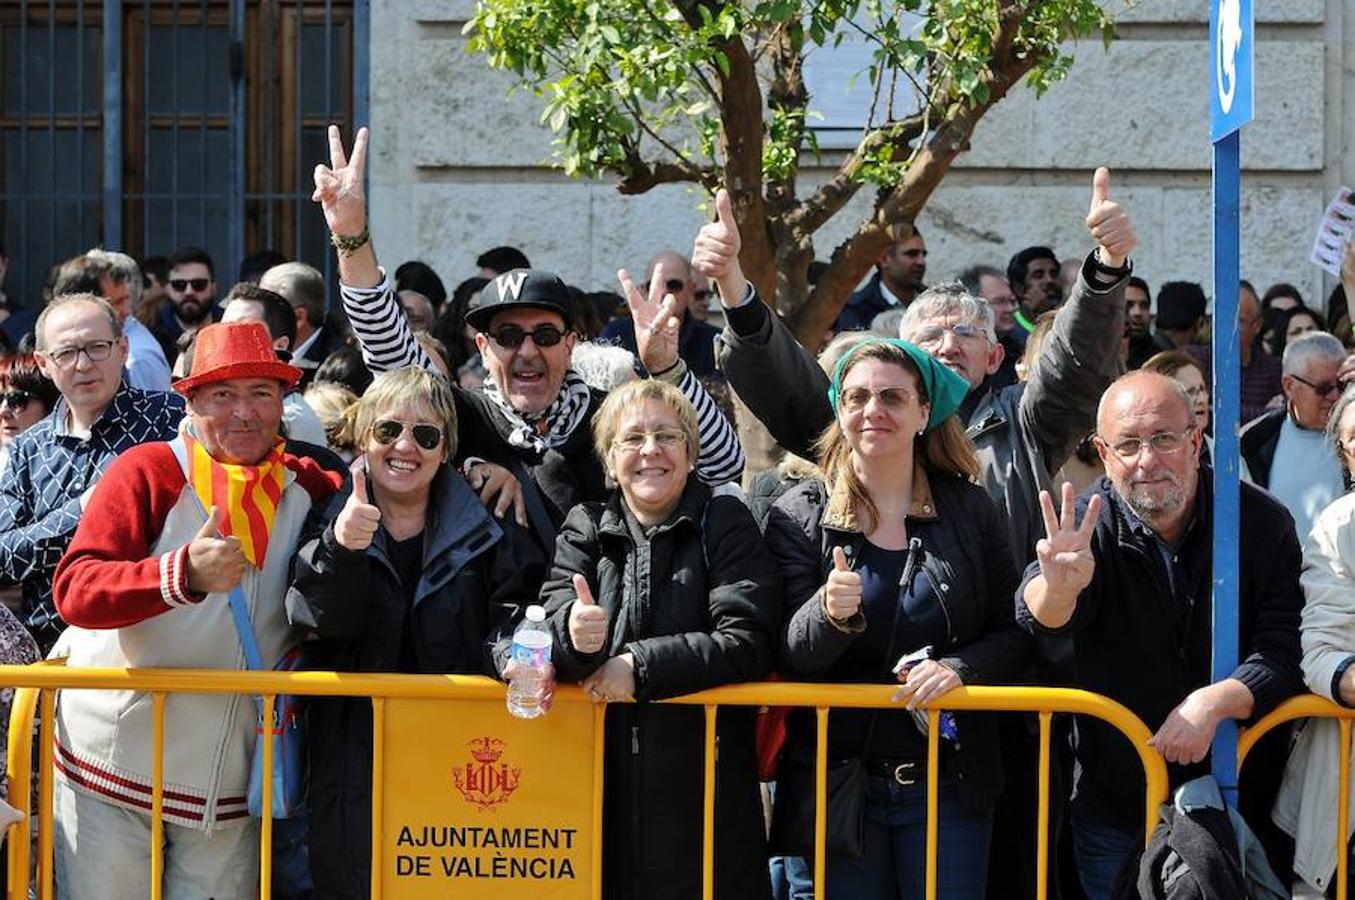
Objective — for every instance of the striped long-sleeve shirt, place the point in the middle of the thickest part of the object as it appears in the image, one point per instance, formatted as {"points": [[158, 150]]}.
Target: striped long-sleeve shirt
{"points": [[388, 343]]}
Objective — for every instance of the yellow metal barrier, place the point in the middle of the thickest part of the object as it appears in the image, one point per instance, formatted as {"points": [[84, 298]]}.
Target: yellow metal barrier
{"points": [[1311, 706], [43, 681]]}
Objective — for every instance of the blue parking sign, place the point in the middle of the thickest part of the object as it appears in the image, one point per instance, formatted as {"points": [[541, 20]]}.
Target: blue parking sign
{"points": [[1231, 57]]}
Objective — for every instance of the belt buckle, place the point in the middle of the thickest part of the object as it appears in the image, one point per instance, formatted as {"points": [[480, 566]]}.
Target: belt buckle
{"points": [[902, 772]]}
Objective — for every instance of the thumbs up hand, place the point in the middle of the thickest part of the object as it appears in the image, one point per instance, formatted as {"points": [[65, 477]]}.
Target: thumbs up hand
{"points": [[358, 520], [842, 592], [215, 563], [587, 621], [716, 251], [1109, 223]]}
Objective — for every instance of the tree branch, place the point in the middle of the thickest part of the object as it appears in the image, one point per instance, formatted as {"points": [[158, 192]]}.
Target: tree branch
{"points": [[833, 195]]}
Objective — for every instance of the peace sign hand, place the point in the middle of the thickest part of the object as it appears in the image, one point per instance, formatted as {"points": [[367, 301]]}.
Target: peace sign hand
{"points": [[1065, 554], [657, 320], [339, 185]]}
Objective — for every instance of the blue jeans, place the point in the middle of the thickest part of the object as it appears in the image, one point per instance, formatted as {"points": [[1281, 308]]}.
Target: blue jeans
{"points": [[894, 864], [1101, 850], [792, 878]]}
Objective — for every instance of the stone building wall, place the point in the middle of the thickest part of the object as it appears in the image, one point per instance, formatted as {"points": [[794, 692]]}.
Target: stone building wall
{"points": [[457, 166]]}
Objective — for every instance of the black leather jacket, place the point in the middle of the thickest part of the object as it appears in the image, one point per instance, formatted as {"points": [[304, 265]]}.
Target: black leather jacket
{"points": [[968, 571]]}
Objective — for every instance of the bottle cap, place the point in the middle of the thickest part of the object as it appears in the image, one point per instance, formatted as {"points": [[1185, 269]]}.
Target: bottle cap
{"points": [[536, 613]]}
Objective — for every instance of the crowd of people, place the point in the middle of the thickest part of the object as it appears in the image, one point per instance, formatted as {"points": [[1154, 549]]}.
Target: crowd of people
{"points": [[1000, 479]]}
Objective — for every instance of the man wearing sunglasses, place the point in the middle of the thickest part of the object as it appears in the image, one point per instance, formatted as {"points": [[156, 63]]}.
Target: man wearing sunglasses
{"points": [[192, 297], [182, 536], [532, 416], [81, 348], [696, 339], [1287, 450]]}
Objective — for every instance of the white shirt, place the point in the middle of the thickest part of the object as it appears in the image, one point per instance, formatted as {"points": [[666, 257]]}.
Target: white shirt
{"points": [[1304, 475], [146, 367]]}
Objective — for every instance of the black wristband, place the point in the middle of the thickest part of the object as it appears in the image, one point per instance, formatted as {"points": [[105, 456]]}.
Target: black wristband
{"points": [[1115, 272]]}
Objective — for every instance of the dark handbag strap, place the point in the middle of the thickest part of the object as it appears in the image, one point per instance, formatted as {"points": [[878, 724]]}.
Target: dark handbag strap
{"points": [[536, 509], [905, 579]]}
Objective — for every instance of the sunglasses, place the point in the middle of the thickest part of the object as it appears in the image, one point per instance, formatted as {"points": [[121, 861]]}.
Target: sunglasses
{"points": [[16, 400], [510, 337], [388, 431], [893, 398], [197, 284], [703, 295], [671, 285]]}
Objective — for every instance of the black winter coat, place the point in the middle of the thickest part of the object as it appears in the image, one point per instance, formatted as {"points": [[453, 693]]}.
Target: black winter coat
{"points": [[695, 602], [1144, 637], [964, 551], [477, 578]]}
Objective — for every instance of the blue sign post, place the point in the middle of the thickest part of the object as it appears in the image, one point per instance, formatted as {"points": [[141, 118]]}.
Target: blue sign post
{"points": [[1231, 53]]}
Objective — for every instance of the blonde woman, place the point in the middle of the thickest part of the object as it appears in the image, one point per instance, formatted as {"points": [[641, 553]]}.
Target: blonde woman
{"points": [[660, 590], [896, 552]]}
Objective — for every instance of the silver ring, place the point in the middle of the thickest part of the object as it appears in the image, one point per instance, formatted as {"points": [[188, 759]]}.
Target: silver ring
{"points": [[342, 192]]}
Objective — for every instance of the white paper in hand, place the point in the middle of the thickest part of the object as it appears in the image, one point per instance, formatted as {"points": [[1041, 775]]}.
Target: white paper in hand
{"points": [[1335, 229]]}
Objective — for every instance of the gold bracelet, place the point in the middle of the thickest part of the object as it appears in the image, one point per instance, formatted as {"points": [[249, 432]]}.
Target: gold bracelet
{"points": [[348, 244]]}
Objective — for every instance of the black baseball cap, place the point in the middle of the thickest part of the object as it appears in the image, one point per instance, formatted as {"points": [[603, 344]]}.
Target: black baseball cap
{"points": [[530, 288]]}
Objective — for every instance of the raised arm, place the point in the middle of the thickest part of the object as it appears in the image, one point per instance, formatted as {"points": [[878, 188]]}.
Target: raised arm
{"points": [[1081, 355], [779, 380], [385, 337], [656, 340]]}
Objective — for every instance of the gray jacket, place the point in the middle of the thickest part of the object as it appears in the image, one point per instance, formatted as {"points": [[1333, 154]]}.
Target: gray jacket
{"points": [[1023, 433]]}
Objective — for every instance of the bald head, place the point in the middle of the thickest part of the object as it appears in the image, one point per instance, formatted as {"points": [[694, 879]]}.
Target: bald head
{"points": [[677, 275], [1142, 393]]}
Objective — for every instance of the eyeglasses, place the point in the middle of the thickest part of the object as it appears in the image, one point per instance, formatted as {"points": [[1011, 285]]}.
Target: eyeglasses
{"points": [[95, 351], [703, 295], [665, 438], [16, 400], [197, 284], [388, 431], [1008, 302], [932, 334], [893, 398], [1323, 389], [1162, 442], [671, 285], [510, 337]]}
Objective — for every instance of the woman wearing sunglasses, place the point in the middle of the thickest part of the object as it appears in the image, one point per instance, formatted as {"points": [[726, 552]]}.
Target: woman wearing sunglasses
{"points": [[896, 568], [410, 574], [658, 591], [26, 397]]}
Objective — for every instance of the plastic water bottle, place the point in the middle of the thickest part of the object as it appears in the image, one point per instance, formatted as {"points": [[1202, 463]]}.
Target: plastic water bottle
{"points": [[531, 656]]}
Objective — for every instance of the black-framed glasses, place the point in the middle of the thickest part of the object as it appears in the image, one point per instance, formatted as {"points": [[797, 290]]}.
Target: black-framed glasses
{"points": [[1322, 388], [510, 337], [16, 399], [388, 431], [894, 398], [665, 438], [197, 284], [703, 295], [1161, 441], [95, 351]]}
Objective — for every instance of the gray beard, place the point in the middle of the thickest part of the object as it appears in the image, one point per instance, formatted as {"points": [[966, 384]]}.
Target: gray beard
{"points": [[1148, 508]]}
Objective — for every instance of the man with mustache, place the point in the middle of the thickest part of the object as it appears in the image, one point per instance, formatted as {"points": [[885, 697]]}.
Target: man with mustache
{"points": [[1034, 276], [1128, 576]]}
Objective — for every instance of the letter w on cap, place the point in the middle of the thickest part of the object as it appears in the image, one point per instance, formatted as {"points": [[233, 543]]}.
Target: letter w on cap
{"points": [[510, 284]]}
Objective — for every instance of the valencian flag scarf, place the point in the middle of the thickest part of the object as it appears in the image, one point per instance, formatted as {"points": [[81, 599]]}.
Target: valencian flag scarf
{"points": [[246, 496]]}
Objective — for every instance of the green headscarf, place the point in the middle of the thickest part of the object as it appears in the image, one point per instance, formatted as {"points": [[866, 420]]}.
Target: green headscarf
{"points": [[941, 387]]}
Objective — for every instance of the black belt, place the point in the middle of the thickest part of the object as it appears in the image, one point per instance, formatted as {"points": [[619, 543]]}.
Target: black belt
{"points": [[899, 771]]}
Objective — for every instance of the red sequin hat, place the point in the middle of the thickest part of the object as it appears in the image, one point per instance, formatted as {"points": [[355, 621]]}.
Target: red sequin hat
{"points": [[229, 350]]}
